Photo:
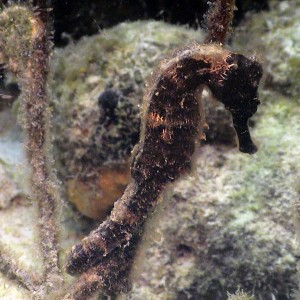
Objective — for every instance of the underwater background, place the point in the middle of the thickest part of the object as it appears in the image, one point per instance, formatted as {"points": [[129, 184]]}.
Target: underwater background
{"points": [[227, 227]]}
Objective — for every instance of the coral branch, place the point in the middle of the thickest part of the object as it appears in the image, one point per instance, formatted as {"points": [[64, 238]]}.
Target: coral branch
{"points": [[13, 271], [36, 124], [30, 60], [218, 21]]}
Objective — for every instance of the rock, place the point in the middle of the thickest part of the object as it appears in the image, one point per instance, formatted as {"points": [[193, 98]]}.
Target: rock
{"points": [[96, 203], [12, 174], [275, 36], [8, 188]]}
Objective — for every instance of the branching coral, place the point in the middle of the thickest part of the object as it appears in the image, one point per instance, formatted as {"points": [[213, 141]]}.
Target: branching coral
{"points": [[28, 56], [172, 124]]}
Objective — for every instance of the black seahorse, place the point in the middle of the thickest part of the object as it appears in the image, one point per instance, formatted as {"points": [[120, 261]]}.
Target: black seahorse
{"points": [[171, 125]]}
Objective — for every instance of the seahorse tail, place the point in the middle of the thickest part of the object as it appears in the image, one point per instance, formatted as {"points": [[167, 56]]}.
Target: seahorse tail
{"points": [[128, 214]]}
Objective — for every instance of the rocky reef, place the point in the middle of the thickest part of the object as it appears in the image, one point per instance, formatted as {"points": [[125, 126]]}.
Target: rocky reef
{"points": [[275, 35], [225, 228]]}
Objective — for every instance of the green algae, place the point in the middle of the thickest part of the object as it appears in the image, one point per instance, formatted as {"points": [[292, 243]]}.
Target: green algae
{"points": [[240, 295], [16, 29], [275, 36]]}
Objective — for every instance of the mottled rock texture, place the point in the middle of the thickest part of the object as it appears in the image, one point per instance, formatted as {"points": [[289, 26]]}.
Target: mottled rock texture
{"points": [[275, 36]]}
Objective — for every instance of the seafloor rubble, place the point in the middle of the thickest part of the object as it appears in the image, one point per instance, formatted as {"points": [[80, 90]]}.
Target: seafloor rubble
{"points": [[229, 225]]}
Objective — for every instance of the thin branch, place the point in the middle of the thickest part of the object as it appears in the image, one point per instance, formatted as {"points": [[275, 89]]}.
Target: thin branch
{"points": [[25, 44], [29, 280], [219, 20], [36, 124]]}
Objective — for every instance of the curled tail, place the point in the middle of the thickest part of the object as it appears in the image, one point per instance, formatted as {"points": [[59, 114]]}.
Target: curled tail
{"points": [[129, 212]]}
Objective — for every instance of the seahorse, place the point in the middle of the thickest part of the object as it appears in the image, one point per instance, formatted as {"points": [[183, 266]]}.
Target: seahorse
{"points": [[171, 125]]}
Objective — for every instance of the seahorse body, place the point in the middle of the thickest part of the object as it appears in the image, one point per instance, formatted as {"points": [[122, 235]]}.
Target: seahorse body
{"points": [[170, 131]]}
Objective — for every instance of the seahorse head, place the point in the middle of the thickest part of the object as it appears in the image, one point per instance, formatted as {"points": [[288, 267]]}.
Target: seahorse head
{"points": [[237, 89]]}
